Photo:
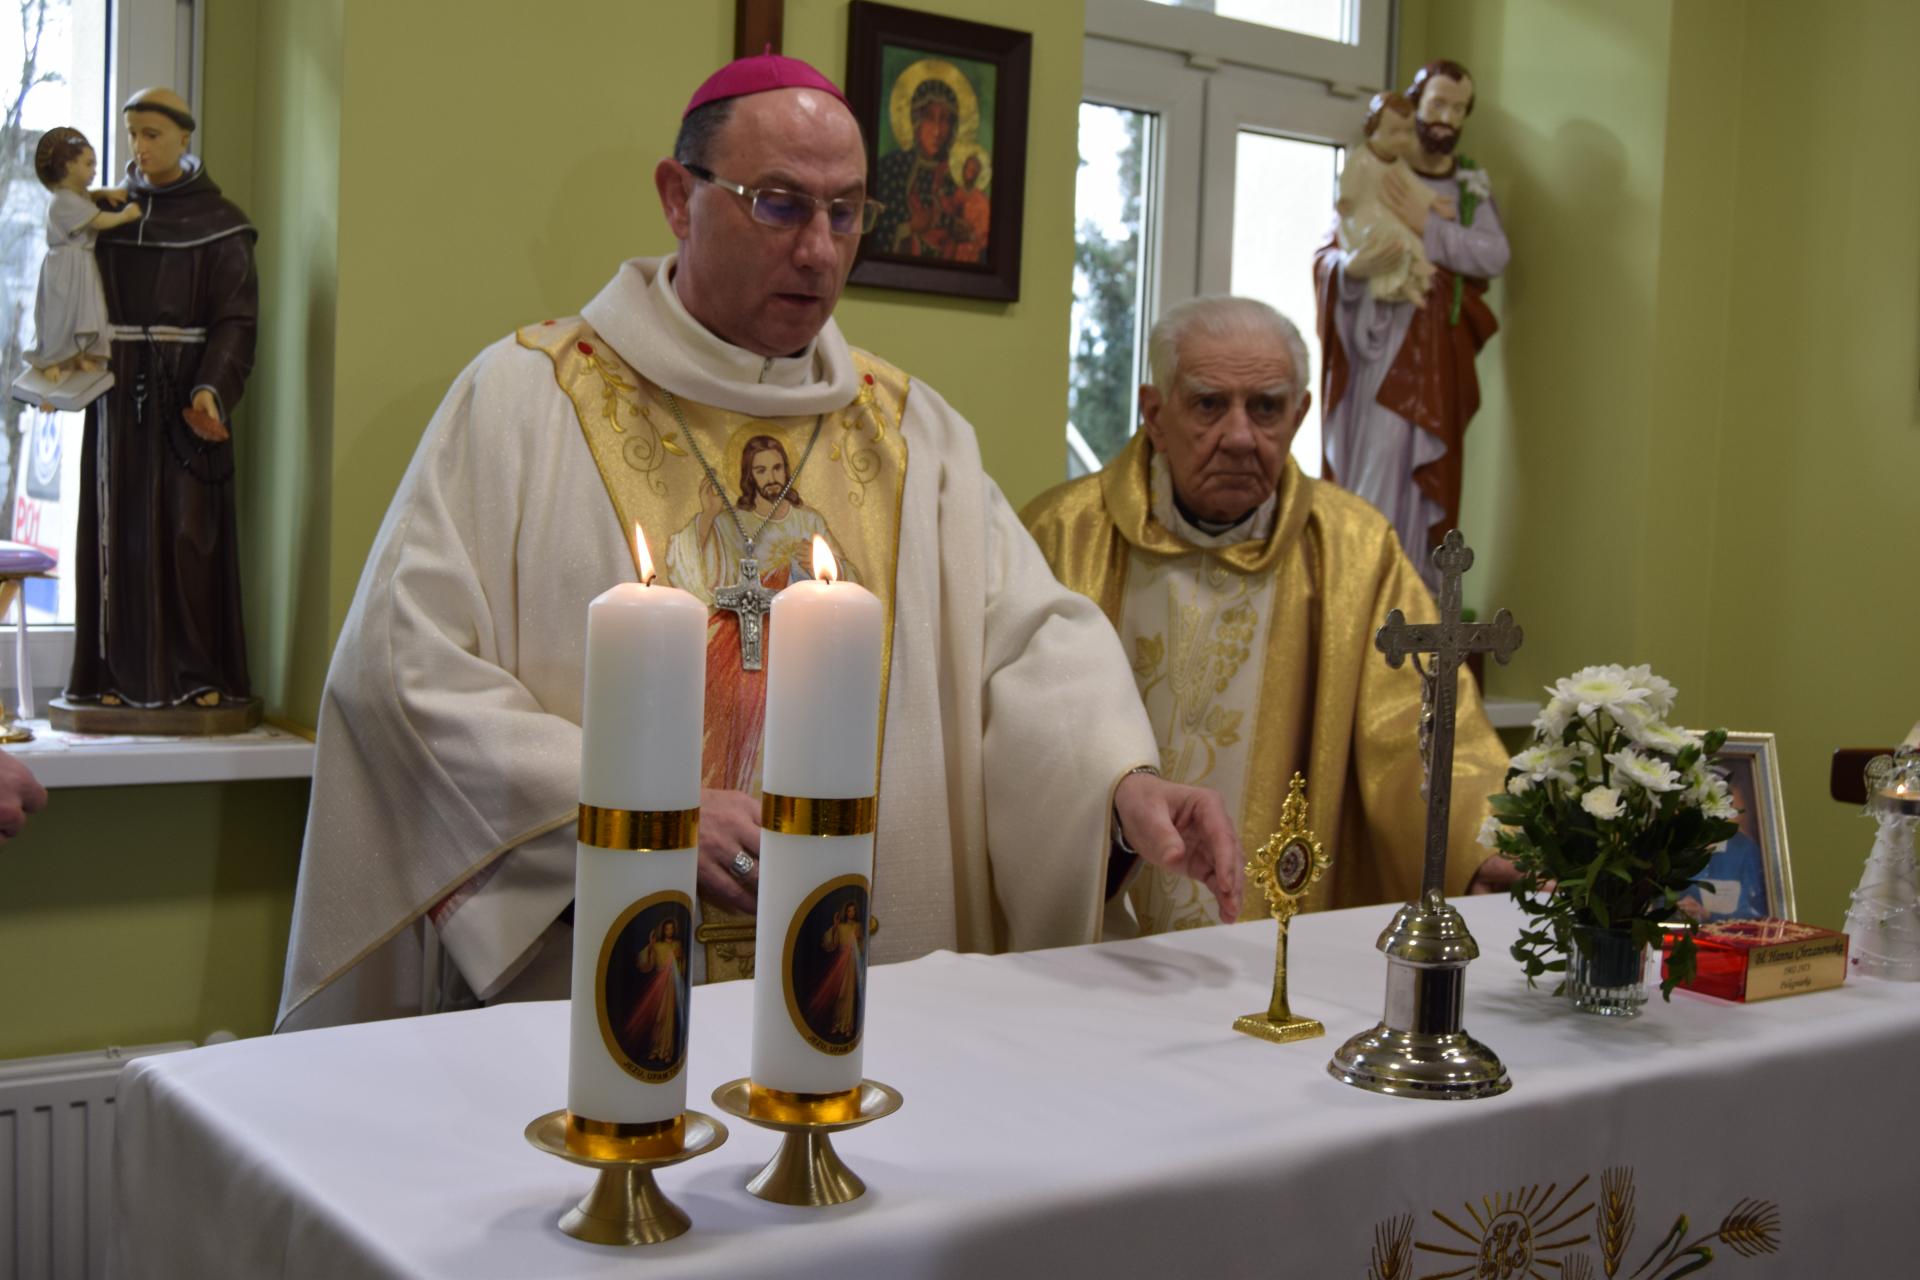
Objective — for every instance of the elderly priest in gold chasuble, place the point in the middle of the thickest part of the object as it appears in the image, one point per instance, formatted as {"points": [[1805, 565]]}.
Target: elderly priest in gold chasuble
{"points": [[1247, 596], [709, 398]]}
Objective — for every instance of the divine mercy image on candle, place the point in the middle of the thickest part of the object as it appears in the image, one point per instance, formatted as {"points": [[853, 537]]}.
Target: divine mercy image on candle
{"points": [[827, 965], [644, 981]]}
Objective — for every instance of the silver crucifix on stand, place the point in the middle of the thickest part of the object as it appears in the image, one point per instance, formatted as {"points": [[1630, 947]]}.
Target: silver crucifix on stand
{"points": [[1419, 1049], [749, 601]]}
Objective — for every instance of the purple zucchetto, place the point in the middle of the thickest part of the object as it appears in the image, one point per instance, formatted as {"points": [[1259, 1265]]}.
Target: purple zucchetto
{"points": [[762, 73]]}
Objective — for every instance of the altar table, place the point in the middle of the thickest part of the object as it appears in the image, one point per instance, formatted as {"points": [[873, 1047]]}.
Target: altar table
{"points": [[1079, 1112]]}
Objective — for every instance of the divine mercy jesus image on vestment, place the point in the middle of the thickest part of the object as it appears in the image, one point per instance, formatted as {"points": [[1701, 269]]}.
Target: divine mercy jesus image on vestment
{"points": [[705, 559]]}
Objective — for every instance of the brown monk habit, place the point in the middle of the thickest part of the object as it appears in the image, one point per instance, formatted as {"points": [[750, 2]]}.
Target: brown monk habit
{"points": [[158, 562]]}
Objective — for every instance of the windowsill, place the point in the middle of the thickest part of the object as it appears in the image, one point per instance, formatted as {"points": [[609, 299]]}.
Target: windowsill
{"points": [[60, 759], [1511, 713]]}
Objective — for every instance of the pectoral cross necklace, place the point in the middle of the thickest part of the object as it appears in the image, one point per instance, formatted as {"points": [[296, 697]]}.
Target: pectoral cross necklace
{"points": [[748, 598]]}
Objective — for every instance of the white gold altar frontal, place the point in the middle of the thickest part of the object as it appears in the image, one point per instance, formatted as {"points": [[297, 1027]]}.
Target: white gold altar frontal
{"points": [[1080, 1111]]}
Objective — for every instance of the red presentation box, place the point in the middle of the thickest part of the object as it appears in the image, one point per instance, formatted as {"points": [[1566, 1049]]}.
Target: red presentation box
{"points": [[1748, 960]]}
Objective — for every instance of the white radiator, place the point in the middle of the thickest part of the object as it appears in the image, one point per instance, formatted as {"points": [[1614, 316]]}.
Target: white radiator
{"points": [[56, 1162]]}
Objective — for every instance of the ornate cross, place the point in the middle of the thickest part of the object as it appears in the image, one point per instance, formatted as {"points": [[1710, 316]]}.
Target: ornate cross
{"points": [[748, 601], [1449, 640]]}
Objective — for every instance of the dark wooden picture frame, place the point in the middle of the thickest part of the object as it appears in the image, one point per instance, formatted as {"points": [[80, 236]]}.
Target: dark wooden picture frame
{"points": [[929, 238]]}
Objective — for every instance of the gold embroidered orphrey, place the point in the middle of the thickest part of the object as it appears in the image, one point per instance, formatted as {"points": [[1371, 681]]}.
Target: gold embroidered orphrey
{"points": [[1538, 1235], [653, 481], [1283, 869]]}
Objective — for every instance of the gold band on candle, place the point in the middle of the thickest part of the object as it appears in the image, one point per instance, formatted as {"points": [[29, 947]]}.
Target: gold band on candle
{"points": [[639, 830], [613, 1140], [802, 1108], [810, 816]]}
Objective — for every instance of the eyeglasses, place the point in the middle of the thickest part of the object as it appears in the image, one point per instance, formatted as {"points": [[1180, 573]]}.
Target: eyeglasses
{"points": [[792, 210]]}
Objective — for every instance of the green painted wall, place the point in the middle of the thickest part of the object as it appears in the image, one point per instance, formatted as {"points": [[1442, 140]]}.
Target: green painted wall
{"points": [[1700, 424], [130, 915]]}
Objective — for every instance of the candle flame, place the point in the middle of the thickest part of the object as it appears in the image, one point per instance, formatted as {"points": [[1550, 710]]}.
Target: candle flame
{"points": [[642, 556], [825, 567]]}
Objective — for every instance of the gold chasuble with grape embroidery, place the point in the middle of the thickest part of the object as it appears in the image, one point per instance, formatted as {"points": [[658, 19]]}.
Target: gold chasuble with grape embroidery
{"points": [[848, 489], [1254, 656]]}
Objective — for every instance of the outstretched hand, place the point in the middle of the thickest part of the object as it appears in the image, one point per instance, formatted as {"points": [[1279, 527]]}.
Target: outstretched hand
{"points": [[1186, 830]]}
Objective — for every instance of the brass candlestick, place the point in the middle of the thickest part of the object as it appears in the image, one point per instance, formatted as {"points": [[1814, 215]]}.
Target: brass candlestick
{"points": [[1284, 868], [807, 1171], [626, 1206]]}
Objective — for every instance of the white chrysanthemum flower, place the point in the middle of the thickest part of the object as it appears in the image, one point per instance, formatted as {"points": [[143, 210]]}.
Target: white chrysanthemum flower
{"points": [[1606, 689], [1553, 721], [1490, 829], [1648, 731], [1648, 772], [1660, 692], [1722, 806], [1545, 763], [1603, 803]]}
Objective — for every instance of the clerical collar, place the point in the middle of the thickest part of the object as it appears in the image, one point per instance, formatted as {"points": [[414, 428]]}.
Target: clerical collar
{"points": [[718, 356], [1213, 528], [1183, 523], [639, 316]]}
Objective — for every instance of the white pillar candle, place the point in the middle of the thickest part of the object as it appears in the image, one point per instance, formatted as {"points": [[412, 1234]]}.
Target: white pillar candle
{"points": [[636, 868], [816, 846]]}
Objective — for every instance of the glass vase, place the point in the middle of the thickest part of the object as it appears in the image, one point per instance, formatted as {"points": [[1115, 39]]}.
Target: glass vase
{"points": [[1606, 972]]}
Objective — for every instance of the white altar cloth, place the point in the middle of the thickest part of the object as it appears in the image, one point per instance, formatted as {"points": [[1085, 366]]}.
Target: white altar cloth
{"points": [[1074, 1112]]}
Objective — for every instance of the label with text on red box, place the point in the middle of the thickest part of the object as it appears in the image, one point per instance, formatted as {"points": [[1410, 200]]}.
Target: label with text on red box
{"points": [[1750, 960]]}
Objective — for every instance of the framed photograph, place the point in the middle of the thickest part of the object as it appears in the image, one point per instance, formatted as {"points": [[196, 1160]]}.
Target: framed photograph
{"points": [[943, 104], [1749, 877]]}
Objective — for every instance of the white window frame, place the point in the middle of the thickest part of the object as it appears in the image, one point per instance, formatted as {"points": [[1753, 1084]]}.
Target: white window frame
{"points": [[1354, 68], [155, 43], [1154, 81], [1239, 99]]}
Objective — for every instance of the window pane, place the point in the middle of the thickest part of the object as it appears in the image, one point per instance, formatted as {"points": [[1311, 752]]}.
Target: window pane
{"points": [[57, 49], [1110, 218], [1327, 19], [1283, 197]]}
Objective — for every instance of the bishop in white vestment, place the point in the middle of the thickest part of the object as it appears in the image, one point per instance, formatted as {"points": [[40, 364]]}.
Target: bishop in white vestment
{"points": [[447, 775]]}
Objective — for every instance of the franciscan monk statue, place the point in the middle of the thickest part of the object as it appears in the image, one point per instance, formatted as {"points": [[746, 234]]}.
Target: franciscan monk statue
{"points": [[1399, 385], [709, 397], [158, 561], [1247, 596]]}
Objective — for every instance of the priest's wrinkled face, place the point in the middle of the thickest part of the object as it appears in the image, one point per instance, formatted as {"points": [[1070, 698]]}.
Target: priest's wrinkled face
{"points": [[1226, 424], [768, 289], [158, 146]]}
